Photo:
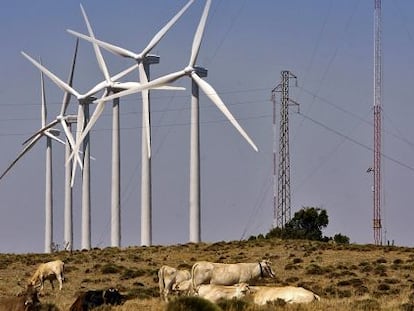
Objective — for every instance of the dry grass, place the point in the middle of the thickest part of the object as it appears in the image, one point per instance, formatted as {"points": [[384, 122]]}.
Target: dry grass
{"points": [[353, 277]]}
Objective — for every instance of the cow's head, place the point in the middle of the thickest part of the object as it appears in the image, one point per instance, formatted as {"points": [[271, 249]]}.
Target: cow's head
{"points": [[243, 288], [112, 296], [266, 269], [31, 298], [182, 286]]}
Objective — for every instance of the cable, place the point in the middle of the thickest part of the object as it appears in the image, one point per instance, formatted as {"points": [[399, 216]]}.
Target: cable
{"points": [[356, 142]]}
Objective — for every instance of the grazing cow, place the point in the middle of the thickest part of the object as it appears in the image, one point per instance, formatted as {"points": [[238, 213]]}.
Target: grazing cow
{"points": [[48, 271], [290, 294], [215, 292], [95, 298], [26, 301], [169, 278], [204, 272]]}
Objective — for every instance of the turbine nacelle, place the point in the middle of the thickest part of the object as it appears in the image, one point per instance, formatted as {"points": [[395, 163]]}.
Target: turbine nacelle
{"points": [[148, 59]]}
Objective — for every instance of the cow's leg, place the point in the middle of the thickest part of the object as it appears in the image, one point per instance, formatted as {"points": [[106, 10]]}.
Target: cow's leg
{"points": [[51, 283], [60, 279]]}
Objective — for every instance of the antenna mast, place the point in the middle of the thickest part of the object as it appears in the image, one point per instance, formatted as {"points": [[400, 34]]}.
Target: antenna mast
{"points": [[281, 172], [377, 123]]}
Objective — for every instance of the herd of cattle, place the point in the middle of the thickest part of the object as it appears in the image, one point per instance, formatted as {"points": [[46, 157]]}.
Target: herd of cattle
{"points": [[215, 281], [211, 281]]}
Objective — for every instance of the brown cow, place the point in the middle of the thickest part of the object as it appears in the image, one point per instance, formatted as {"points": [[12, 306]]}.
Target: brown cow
{"points": [[95, 298], [26, 301]]}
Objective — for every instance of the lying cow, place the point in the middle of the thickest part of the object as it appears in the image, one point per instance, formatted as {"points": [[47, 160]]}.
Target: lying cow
{"points": [[215, 292], [290, 294], [48, 271], [26, 301], [95, 298], [169, 278], [204, 272]]}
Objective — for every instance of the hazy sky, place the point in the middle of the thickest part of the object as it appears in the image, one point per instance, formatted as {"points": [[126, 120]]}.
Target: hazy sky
{"points": [[327, 44]]}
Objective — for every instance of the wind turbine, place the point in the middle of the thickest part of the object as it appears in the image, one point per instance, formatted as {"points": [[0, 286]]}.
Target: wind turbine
{"points": [[195, 73], [143, 59], [50, 134], [83, 109]]}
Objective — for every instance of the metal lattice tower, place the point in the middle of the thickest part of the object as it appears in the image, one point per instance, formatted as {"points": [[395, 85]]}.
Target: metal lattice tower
{"points": [[377, 123], [281, 171]]}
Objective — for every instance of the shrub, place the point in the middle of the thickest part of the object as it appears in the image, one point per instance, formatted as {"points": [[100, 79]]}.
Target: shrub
{"points": [[233, 304], [341, 239], [131, 274], [314, 269], [191, 304], [110, 269]]}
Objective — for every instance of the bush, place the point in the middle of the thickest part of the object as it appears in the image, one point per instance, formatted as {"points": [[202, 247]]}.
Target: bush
{"points": [[110, 269], [192, 304], [341, 239], [233, 304]]}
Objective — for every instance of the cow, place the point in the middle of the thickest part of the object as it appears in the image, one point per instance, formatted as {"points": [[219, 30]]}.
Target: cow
{"points": [[95, 298], [169, 278], [204, 272], [215, 292], [48, 271], [290, 294], [183, 287], [26, 301]]}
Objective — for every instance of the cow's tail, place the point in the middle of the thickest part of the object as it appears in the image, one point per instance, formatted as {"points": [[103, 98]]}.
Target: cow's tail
{"points": [[193, 287], [317, 297], [161, 283], [62, 271]]}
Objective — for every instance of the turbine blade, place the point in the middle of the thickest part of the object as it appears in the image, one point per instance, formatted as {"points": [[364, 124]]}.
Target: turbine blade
{"points": [[104, 84], [199, 34], [79, 127], [99, 57], [66, 96], [161, 81], [95, 116], [43, 95], [212, 94], [164, 30], [170, 88], [41, 131], [145, 108], [21, 154], [124, 73], [70, 139], [50, 135], [107, 46], [52, 77]]}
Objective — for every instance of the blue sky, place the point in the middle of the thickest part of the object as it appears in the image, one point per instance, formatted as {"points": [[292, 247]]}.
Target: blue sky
{"points": [[327, 44]]}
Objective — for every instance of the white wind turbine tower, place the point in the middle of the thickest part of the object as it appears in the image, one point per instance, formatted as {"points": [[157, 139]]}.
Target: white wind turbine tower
{"points": [[143, 59], [84, 101], [194, 73], [50, 134], [68, 209]]}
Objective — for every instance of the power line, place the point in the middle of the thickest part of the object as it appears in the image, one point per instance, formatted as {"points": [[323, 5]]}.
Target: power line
{"points": [[356, 142]]}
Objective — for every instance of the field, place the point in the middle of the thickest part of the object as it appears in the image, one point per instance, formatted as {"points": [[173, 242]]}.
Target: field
{"points": [[347, 277]]}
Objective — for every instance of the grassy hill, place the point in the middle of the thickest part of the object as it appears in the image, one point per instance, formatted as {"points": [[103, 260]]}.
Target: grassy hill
{"points": [[347, 277]]}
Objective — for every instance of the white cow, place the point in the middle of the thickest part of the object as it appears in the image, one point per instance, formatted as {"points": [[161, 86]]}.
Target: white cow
{"points": [[169, 278], [48, 271], [215, 292], [290, 294], [204, 272], [183, 286]]}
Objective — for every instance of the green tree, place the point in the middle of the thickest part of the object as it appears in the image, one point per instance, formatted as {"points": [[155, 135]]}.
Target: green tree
{"points": [[307, 223]]}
